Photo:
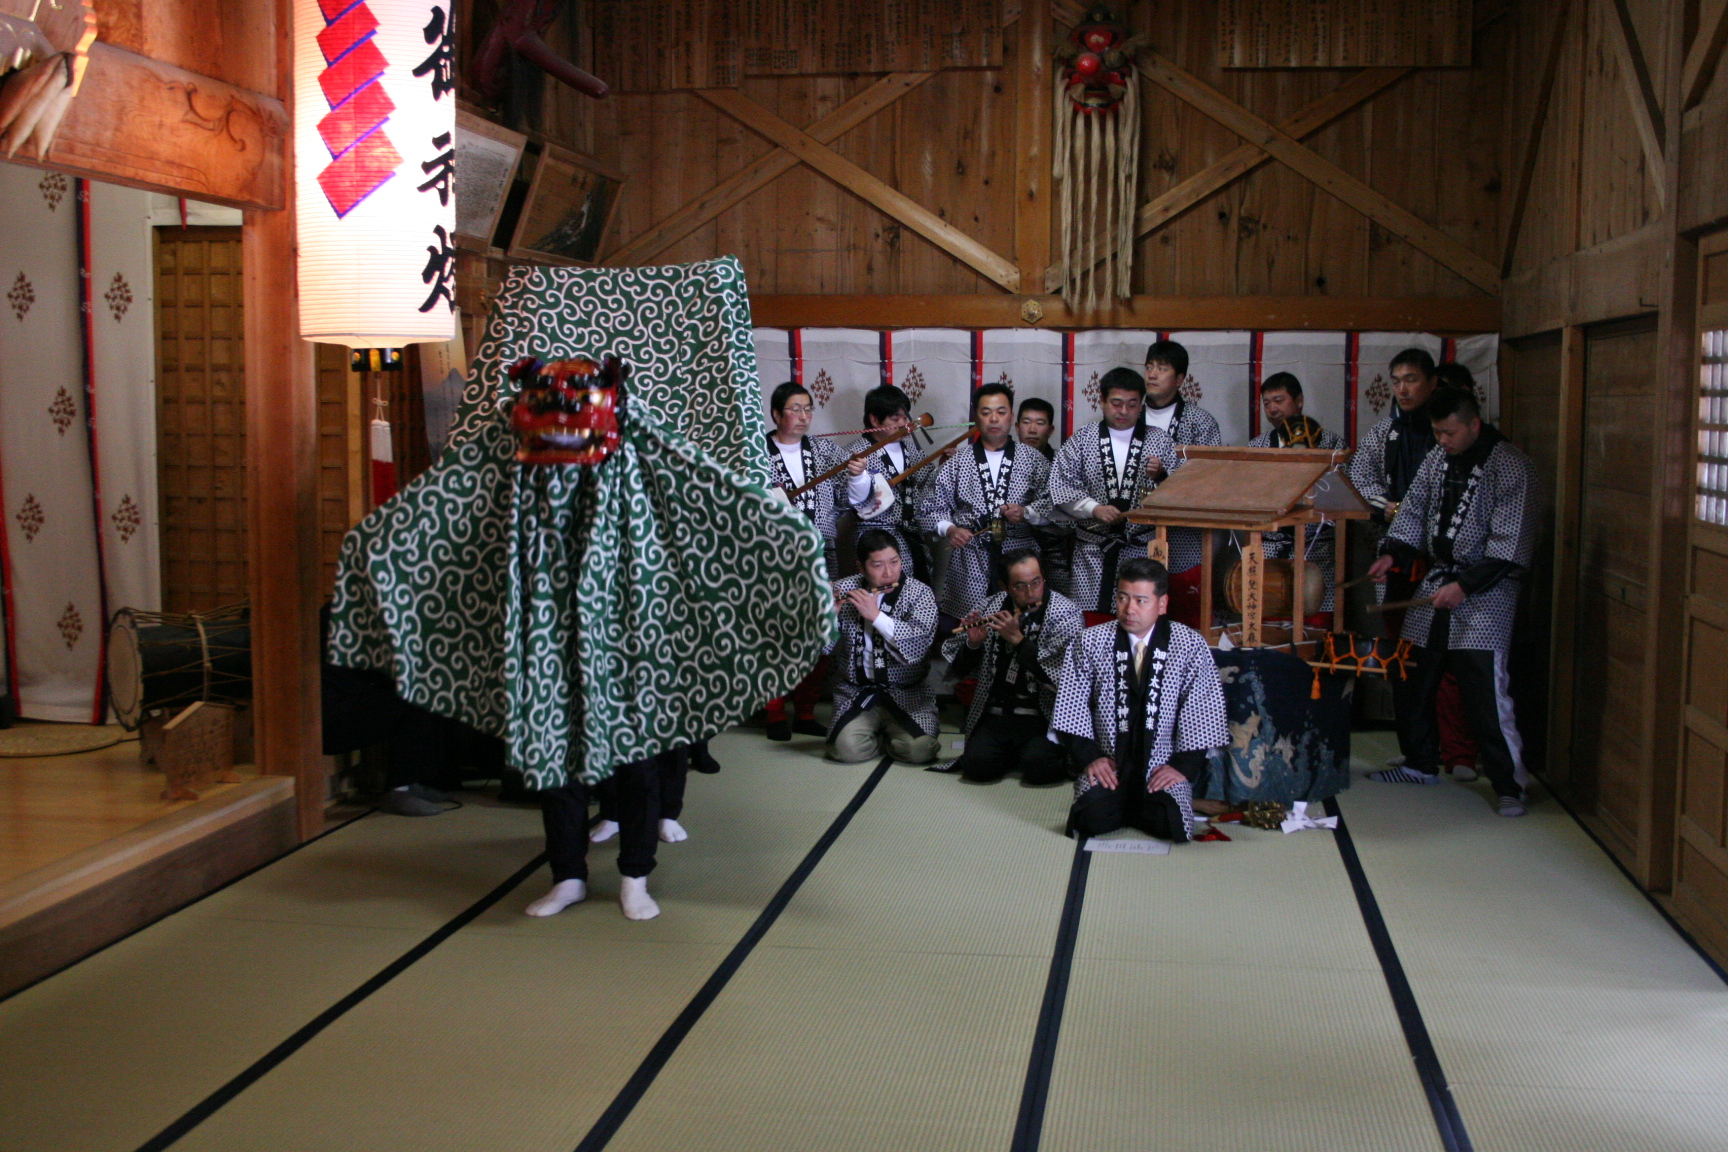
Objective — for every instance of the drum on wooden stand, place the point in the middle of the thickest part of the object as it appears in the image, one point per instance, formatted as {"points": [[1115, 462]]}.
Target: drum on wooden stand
{"points": [[1277, 578], [162, 660]]}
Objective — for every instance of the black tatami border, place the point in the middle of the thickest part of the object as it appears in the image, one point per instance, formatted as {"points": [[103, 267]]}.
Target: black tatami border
{"points": [[1453, 1135], [642, 1079], [1035, 1094], [261, 1067]]}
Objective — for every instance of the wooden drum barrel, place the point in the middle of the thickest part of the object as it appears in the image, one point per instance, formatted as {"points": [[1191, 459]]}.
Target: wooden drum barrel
{"points": [[1279, 576]]}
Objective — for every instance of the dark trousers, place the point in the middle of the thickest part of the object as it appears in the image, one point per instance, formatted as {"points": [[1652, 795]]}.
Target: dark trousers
{"points": [[1484, 691], [1001, 744], [564, 810], [1099, 810], [674, 769]]}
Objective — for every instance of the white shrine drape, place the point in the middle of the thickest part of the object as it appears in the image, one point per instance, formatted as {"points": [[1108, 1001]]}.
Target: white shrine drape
{"points": [[79, 494]]}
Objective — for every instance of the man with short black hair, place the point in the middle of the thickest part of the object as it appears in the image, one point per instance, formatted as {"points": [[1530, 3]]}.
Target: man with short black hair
{"points": [[980, 501], [1288, 427], [1139, 706], [1187, 423], [887, 620], [1100, 473], [794, 459], [1035, 423], [1387, 458], [1471, 512], [1014, 643], [887, 411]]}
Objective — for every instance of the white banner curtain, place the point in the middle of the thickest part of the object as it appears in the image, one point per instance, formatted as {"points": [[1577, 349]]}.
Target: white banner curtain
{"points": [[1028, 360], [1320, 363]]}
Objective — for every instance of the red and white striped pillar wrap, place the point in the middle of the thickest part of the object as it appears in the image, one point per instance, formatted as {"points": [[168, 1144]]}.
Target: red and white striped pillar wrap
{"points": [[374, 147]]}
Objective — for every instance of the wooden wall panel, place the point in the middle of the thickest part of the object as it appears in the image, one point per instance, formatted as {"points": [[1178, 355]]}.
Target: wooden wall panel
{"points": [[949, 146], [232, 42], [201, 418]]}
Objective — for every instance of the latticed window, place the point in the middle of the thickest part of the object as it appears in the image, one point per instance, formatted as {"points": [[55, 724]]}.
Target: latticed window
{"points": [[1713, 428]]}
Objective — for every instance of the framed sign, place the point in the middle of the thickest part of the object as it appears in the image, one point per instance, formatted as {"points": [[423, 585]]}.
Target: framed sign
{"points": [[570, 204], [487, 156]]}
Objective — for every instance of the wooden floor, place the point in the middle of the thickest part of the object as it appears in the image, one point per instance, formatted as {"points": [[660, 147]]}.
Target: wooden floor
{"points": [[54, 806]]}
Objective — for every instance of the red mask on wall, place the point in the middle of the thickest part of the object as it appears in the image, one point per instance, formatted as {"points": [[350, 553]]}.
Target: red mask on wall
{"points": [[1097, 59], [567, 411]]}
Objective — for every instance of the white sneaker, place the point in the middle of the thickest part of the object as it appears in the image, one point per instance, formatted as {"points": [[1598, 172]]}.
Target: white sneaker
{"points": [[1511, 806]]}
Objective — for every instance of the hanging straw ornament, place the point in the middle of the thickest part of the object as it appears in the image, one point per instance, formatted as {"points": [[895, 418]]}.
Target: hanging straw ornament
{"points": [[1096, 158]]}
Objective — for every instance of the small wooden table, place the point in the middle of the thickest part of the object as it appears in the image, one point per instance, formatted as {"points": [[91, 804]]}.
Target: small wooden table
{"points": [[1255, 491]]}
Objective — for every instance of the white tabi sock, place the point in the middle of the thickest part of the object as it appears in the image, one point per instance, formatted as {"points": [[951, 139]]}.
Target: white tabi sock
{"points": [[633, 897], [563, 894], [603, 832], [671, 831]]}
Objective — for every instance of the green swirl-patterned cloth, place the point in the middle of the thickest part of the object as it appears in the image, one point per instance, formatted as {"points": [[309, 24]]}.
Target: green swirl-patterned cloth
{"points": [[596, 616]]}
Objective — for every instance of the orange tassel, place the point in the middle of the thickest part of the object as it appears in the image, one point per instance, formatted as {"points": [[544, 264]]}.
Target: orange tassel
{"points": [[1315, 694]]}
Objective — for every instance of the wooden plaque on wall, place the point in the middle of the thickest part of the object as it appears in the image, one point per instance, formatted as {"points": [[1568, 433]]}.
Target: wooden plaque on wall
{"points": [[668, 45], [1344, 33]]}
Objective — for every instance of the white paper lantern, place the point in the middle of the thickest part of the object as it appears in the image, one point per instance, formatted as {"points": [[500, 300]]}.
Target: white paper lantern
{"points": [[374, 147]]}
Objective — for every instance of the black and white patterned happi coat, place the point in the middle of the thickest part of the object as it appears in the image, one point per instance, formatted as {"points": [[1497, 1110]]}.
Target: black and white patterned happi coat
{"points": [[964, 494], [1368, 466], [823, 503], [1085, 470], [901, 519], [1495, 520], [1192, 424], [1190, 700], [895, 677], [1060, 625], [1322, 541]]}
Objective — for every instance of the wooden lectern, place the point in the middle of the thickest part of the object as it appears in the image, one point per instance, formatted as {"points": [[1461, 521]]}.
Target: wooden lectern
{"points": [[1255, 491]]}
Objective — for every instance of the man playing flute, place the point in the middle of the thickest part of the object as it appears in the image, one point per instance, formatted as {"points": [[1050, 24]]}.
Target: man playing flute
{"points": [[887, 621]]}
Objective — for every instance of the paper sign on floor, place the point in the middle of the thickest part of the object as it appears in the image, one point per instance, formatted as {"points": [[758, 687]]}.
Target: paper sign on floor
{"points": [[1128, 844]]}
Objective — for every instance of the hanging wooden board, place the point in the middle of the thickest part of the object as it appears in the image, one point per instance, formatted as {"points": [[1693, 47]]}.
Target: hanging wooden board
{"points": [[671, 45], [1344, 34]]}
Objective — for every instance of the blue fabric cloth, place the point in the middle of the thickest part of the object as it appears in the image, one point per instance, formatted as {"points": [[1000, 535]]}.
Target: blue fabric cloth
{"points": [[1284, 744]]}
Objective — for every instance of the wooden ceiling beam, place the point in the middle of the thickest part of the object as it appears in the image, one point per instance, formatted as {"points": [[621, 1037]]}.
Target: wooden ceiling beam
{"points": [[1175, 313], [762, 172], [866, 187], [1391, 216], [1706, 50], [1622, 38], [1221, 173], [1525, 169], [146, 124]]}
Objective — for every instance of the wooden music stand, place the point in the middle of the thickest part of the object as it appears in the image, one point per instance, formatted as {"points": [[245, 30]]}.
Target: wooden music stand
{"points": [[1255, 490]]}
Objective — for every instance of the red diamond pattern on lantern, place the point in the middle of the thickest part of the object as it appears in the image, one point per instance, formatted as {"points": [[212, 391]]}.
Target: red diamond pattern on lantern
{"points": [[71, 625], [822, 388], [30, 517], [913, 385], [22, 296], [1379, 392], [119, 296], [127, 519], [63, 411], [362, 157]]}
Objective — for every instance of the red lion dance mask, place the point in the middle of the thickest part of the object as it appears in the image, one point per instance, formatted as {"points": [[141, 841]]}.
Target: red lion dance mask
{"points": [[567, 411]]}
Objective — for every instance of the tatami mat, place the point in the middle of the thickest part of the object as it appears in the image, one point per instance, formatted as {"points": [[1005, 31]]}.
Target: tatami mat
{"points": [[894, 1004], [108, 1052], [1227, 996], [517, 1032], [1566, 1012]]}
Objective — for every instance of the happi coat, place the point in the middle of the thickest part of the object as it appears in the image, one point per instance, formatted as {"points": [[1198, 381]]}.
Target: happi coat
{"points": [[1474, 516], [596, 616], [1085, 470], [823, 503], [967, 494], [1321, 540], [1185, 703], [901, 519], [1039, 656], [889, 673]]}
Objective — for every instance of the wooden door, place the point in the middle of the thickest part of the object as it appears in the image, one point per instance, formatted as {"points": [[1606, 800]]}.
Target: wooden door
{"points": [[1612, 607], [1701, 850], [200, 417]]}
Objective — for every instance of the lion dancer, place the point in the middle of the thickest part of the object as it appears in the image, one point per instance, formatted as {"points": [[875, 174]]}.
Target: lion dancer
{"points": [[796, 458]]}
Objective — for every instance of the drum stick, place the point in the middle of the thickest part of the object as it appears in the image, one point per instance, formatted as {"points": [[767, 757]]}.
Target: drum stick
{"points": [[933, 457], [924, 421], [1394, 605], [1362, 579]]}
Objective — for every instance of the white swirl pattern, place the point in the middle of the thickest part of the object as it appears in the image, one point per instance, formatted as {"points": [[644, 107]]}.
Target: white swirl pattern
{"points": [[596, 616]]}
